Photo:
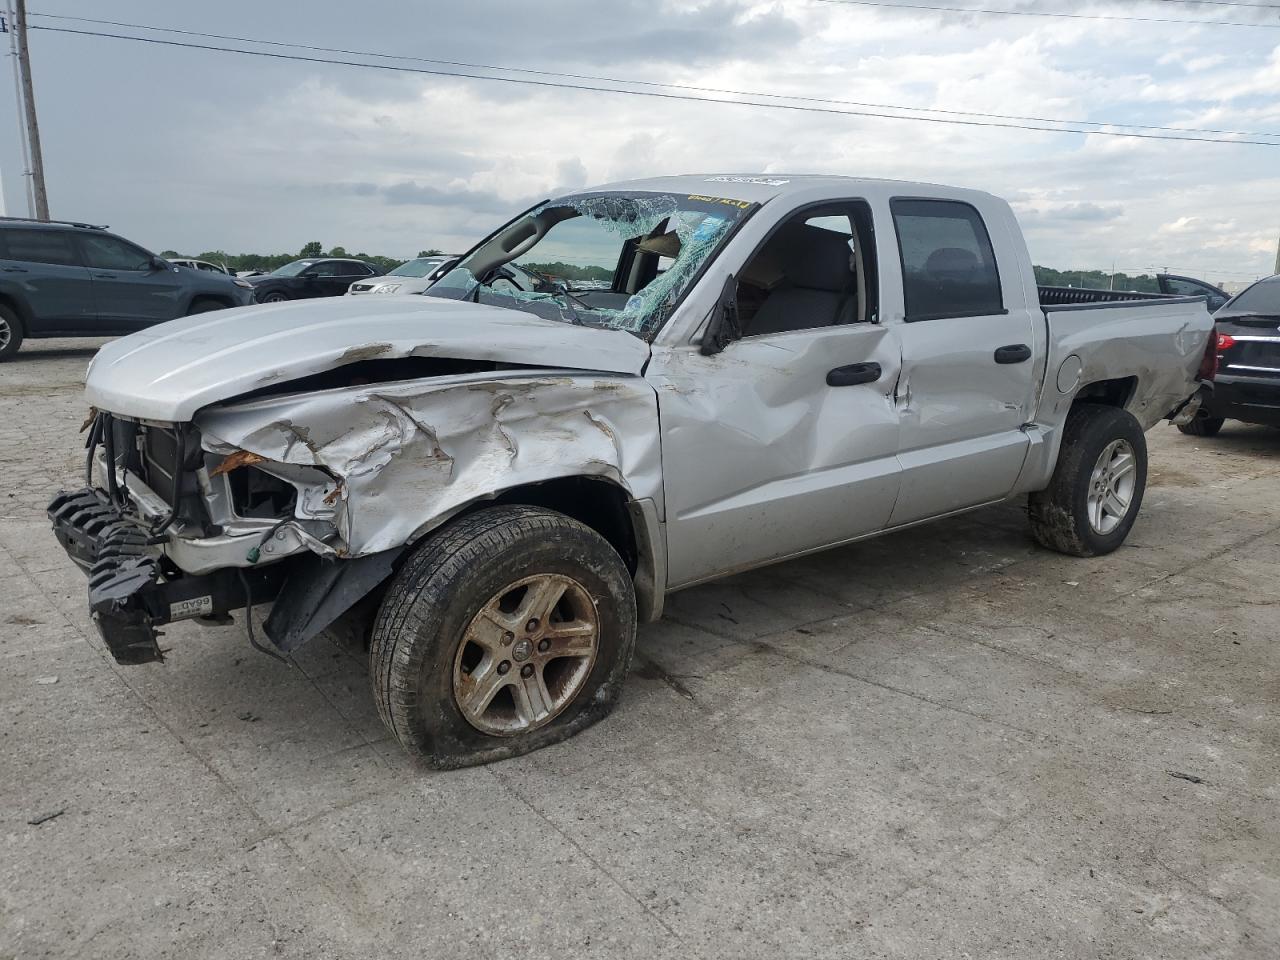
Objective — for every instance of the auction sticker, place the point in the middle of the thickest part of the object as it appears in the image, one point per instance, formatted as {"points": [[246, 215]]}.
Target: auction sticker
{"points": [[195, 607]]}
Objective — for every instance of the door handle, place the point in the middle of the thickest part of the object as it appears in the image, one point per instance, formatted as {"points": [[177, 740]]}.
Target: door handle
{"points": [[104, 276], [14, 269], [1014, 353], [853, 374]]}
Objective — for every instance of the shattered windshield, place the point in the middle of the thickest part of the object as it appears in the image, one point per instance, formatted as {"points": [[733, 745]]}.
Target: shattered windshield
{"points": [[614, 260]]}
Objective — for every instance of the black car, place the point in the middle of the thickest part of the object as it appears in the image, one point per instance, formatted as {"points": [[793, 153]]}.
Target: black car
{"points": [[65, 279], [1247, 385], [313, 277], [1175, 286]]}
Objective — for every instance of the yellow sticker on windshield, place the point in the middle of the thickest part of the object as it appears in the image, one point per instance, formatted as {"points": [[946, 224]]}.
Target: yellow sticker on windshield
{"points": [[726, 201]]}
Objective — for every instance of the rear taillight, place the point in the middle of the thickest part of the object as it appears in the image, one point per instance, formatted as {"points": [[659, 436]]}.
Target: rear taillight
{"points": [[1209, 362], [1225, 342]]}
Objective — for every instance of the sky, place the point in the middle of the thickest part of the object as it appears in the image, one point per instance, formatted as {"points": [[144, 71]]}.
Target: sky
{"points": [[192, 150]]}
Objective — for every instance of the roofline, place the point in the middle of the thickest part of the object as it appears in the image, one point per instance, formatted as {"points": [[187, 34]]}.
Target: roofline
{"points": [[62, 223]]}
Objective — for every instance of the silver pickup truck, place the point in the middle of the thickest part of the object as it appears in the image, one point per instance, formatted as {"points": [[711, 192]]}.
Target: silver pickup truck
{"points": [[620, 393]]}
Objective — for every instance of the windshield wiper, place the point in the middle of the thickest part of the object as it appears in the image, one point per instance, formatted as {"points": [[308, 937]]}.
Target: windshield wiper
{"points": [[562, 290]]}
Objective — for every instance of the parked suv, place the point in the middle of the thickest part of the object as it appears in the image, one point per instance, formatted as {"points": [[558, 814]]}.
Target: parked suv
{"points": [[413, 276], [77, 280], [1247, 386], [313, 277]]}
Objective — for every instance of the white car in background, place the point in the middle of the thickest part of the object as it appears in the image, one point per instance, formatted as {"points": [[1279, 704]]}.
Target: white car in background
{"points": [[413, 276], [200, 265]]}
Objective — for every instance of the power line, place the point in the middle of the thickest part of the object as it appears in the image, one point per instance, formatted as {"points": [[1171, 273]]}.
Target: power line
{"points": [[1224, 3], [650, 83], [651, 93], [987, 12]]}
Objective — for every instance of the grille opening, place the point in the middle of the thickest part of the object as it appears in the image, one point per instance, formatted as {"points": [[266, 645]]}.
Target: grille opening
{"points": [[259, 495]]}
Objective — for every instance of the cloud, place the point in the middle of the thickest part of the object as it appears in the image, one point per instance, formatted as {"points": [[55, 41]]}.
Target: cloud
{"points": [[259, 155]]}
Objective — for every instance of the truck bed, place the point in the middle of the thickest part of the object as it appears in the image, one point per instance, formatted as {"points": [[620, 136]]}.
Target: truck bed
{"points": [[1071, 296]]}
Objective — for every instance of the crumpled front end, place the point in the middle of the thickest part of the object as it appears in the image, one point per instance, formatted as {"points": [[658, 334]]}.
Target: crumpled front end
{"points": [[399, 459], [309, 498]]}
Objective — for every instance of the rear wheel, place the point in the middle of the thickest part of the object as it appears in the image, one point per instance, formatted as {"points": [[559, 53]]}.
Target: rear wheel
{"points": [[10, 333], [275, 296], [206, 305], [510, 629], [1096, 491], [1203, 426]]}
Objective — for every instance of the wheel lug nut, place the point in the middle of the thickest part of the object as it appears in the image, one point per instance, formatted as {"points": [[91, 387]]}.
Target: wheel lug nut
{"points": [[526, 671], [507, 638], [532, 625], [544, 645], [504, 666]]}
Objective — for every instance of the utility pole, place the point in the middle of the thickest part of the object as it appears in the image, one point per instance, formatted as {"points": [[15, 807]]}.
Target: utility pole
{"points": [[1278, 257], [29, 105]]}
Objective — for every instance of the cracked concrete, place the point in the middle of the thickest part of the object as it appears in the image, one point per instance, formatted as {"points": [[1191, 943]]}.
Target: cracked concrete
{"points": [[943, 743]]}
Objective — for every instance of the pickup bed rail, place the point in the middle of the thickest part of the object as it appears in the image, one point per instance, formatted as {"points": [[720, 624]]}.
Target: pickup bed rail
{"points": [[1058, 296]]}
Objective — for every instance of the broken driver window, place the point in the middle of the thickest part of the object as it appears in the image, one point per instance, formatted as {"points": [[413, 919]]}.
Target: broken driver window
{"points": [[611, 260]]}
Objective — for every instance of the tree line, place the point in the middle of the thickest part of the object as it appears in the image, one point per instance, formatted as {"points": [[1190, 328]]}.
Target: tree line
{"points": [[270, 261], [1045, 276]]}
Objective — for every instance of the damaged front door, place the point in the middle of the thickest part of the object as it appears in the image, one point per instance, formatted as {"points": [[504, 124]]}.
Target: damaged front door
{"points": [[787, 440]]}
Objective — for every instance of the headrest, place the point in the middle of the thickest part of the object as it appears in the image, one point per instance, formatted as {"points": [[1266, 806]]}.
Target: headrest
{"points": [[952, 260], [813, 257]]}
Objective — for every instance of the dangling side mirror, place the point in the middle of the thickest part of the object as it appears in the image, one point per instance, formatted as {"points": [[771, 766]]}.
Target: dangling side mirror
{"points": [[724, 327]]}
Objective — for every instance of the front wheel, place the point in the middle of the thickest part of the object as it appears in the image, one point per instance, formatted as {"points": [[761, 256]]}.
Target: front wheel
{"points": [[1203, 426], [1096, 491], [10, 333], [275, 296], [508, 630]]}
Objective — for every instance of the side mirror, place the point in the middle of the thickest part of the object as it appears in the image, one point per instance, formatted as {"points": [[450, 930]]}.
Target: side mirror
{"points": [[724, 327], [158, 263]]}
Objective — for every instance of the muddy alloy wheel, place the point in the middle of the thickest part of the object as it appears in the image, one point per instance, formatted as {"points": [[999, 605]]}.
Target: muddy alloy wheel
{"points": [[1096, 490], [526, 654], [1111, 487], [506, 630]]}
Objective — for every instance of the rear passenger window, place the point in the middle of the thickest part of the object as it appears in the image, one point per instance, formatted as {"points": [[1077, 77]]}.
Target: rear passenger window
{"points": [[948, 266], [38, 246]]}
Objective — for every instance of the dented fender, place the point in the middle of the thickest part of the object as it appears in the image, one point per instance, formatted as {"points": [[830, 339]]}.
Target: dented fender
{"points": [[407, 456]]}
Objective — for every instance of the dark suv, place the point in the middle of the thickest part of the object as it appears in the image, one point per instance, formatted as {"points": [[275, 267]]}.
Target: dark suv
{"points": [[312, 277], [76, 280], [1247, 385]]}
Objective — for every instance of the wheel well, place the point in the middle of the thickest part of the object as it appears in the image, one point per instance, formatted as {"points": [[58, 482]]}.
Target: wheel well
{"points": [[211, 298], [599, 504], [19, 311], [1111, 393]]}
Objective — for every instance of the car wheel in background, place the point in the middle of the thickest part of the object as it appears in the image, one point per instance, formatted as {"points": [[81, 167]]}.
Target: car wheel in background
{"points": [[509, 629], [1093, 499], [10, 333], [275, 296], [1203, 426], [204, 306]]}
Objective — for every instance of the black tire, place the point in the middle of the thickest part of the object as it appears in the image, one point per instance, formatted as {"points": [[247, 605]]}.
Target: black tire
{"points": [[1060, 513], [273, 296], [1203, 426], [433, 599], [205, 305], [10, 333]]}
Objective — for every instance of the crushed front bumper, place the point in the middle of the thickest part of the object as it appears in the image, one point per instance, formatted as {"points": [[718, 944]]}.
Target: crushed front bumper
{"points": [[133, 589]]}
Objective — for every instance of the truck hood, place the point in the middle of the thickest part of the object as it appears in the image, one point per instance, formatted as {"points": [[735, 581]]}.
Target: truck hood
{"points": [[170, 371]]}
